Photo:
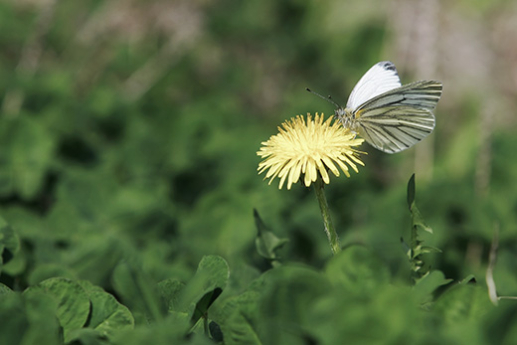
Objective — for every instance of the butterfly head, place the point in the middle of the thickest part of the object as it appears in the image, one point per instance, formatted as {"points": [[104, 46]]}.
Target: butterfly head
{"points": [[347, 117]]}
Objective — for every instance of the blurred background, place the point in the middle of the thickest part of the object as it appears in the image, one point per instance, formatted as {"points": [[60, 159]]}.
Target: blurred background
{"points": [[130, 128]]}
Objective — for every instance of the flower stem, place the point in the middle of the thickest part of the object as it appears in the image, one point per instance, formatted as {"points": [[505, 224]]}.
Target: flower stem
{"points": [[325, 213]]}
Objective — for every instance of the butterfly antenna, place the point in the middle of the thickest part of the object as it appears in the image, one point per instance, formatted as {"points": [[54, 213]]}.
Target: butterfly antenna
{"points": [[328, 98]]}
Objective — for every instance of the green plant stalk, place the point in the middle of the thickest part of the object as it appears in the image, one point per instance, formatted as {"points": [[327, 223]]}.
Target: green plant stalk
{"points": [[325, 213]]}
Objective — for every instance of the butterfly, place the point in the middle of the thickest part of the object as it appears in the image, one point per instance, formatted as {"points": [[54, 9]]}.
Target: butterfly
{"points": [[389, 116]]}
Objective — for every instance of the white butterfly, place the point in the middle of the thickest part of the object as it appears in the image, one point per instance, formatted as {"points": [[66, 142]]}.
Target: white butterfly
{"points": [[390, 117]]}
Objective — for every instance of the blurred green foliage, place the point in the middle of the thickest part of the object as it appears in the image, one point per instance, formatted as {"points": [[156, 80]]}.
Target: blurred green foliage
{"points": [[128, 183]]}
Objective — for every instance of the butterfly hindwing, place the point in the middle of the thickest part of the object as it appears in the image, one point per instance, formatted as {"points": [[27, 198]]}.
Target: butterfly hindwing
{"points": [[398, 119]]}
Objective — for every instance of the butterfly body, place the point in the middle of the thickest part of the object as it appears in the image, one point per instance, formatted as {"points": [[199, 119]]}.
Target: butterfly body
{"points": [[347, 117], [389, 116]]}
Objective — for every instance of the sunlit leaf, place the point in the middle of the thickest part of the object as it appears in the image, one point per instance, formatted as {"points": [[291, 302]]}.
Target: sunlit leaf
{"points": [[73, 304], [107, 314]]}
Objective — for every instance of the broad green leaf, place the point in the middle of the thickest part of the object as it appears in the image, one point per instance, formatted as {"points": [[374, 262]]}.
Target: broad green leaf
{"points": [[14, 321], [73, 305], [212, 274], [201, 309], [357, 269], [26, 153], [167, 331], [87, 336], [500, 323], [267, 243], [138, 292], [95, 260], [426, 285], [389, 316], [4, 289], [107, 314], [215, 332], [46, 271], [169, 290], [462, 302], [285, 297], [237, 317], [42, 312]]}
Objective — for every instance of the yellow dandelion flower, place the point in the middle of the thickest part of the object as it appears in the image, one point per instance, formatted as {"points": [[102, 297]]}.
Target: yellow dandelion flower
{"points": [[310, 148]]}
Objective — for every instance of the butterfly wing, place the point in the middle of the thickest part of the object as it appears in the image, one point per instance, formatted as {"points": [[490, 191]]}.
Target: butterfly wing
{"points": [[382, 77], [400, 118]]}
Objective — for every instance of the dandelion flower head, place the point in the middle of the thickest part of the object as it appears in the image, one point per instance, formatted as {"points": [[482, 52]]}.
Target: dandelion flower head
{"points": [[309, 148]]}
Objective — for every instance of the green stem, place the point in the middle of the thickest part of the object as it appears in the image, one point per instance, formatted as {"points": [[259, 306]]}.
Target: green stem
{"points": [[325, 213], [205, 326]]}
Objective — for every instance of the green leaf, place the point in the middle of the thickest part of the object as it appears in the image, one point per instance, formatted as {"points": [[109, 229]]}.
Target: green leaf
{"points": [[470, 279], [73, 304], [26, 153], [29, 319], [418, 220], [426, 285], [238, 318], [388, 316], [46, 271], [287, 292], [4, 289], [9, 243], [357, 269], [138, 292], [96, 259], [463, 302], [208, 283], [86, 336], [416, 249], [42, 310], [267, 243], [411, 191], [166, 332], [14, 322], [107, 314], [169, 290], [429, 249], [216, 332], [201, 309]]}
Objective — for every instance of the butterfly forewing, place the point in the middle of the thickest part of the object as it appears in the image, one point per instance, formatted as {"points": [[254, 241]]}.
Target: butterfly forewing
{"points": [[399, 118], [382, 77], [420, 94]]}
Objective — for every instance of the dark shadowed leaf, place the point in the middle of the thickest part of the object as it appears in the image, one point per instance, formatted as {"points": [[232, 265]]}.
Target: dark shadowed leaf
{"points": [[411, 191], [9, 243]]}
